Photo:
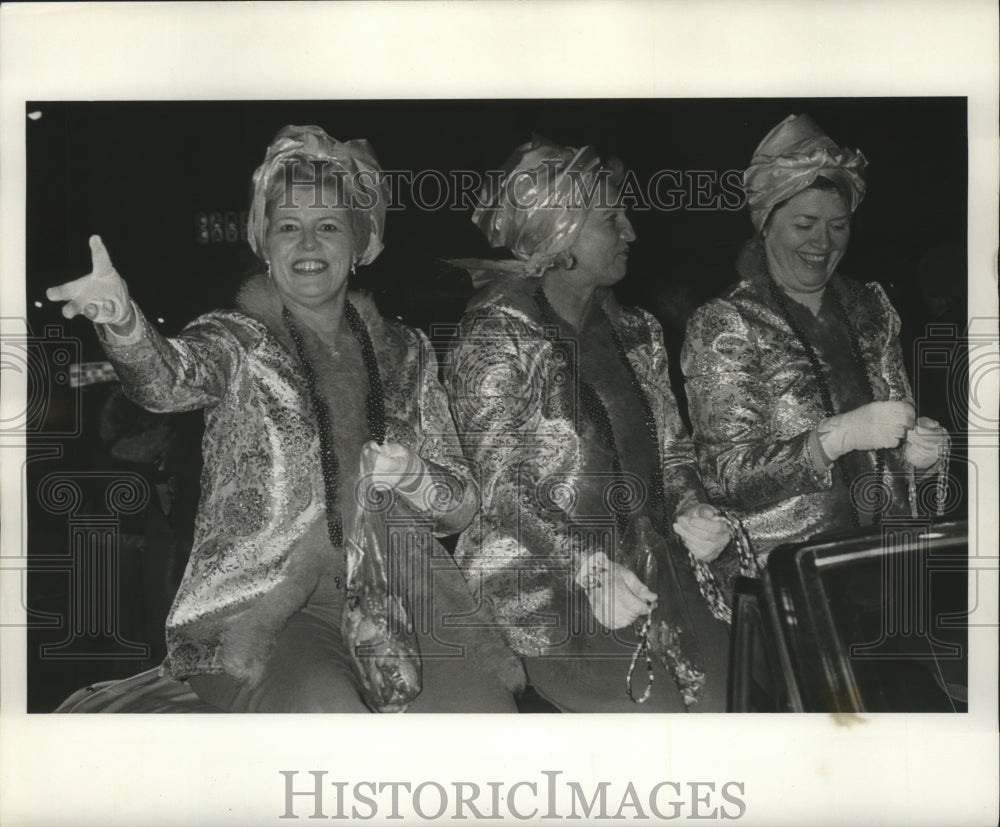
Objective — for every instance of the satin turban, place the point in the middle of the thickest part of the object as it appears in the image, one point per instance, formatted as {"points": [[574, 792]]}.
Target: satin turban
{"points": [[790, 159], [536, 206], [353, 163]]}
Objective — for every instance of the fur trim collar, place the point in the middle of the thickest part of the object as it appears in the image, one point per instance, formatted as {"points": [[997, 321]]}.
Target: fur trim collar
{"points": [[751, 264], [258, 298], [517, 295], [249, 640]]}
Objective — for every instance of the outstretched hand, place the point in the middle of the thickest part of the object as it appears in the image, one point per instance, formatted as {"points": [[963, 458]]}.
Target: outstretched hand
{"points": [[101, 295]]}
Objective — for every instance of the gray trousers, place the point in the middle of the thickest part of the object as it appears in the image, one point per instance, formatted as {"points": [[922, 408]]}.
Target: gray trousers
{"points": [[310, 671]]}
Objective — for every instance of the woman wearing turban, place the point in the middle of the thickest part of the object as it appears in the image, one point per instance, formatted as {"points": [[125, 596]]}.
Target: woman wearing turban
{"points": [[591, 503], [296, 385], [802, 413]]}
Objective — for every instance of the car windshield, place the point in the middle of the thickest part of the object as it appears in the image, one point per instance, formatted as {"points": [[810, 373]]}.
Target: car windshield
{"points": [[899, 618]]}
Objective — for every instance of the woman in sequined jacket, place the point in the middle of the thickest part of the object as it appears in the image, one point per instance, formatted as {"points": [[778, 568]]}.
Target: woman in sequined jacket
{"points": [[295, 384], [802, 413], [562, 400]]}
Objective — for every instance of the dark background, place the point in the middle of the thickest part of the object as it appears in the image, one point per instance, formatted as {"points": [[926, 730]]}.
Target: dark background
{"points": [[140, 173]]}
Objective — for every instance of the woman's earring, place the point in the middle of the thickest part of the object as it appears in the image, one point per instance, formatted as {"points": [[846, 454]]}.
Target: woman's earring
{"points": [[268, 265], [568, 260], [354, 268]]}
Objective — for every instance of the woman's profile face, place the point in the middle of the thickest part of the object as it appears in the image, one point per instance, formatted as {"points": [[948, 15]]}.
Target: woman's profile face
{"points": [[601, 247], [806, 238], [310, 246]]}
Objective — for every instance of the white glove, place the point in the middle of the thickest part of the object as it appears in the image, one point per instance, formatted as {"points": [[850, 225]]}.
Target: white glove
{"points": [[924, 443], [101, 295], [396, 466], [871, 426], [617, 597], [704, 531]]}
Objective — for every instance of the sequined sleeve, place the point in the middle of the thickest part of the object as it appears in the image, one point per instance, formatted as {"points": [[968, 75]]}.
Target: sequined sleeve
{"points": [[518, 554], [745, 458], [891, 366], [454, 498], [681, 482], [189, 371]]}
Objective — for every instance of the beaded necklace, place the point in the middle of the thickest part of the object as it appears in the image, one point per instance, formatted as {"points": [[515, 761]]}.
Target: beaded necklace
{"points": [[824, 389], [593, 406], [374, 413]]}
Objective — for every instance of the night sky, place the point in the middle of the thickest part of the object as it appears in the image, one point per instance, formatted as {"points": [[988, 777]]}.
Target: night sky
{"points": [[139, 173]]}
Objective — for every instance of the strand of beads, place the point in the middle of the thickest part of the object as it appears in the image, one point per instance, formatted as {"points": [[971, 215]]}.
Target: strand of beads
{"points": [[859, 360], [375, 401], [656, 484], [593, 406], [642, 650], [595, 409], [824, 389], [374, 410]]}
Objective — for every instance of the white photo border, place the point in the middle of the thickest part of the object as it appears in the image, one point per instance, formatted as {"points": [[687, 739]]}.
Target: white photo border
{"points": [[797, 770]]}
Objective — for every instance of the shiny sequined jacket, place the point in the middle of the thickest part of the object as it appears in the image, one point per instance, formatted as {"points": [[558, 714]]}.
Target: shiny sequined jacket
{"points": [[516, 416], [260, 537], [754, 399]]}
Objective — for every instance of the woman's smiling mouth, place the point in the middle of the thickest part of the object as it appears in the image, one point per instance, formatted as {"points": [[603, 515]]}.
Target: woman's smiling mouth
{"points": [[309, 267], [813, 259]]}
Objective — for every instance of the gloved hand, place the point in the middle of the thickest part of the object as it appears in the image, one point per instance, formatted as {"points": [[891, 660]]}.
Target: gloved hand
{"points": [[617, 597], [397, 467], [101, 295], [871, 426], [704, 531], [924, 443]]}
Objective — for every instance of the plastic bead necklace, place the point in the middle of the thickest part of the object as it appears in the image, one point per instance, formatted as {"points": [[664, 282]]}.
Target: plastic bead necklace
{"points": [[593, 406], [374, 414], [824, 389]]}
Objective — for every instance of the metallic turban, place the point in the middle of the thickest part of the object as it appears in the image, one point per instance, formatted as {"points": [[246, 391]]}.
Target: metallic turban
{"points": [[536, 207], [790, 158], [353, 163]]}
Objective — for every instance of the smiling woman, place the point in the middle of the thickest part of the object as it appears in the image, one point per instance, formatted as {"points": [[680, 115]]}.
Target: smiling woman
{"points": [[803, 416], [806, 238], [310, 250], [592, 508], [270, 613]]}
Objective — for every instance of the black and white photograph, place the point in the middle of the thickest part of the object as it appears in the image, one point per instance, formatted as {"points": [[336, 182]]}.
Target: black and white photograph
{"points": [[208, 528], [377, 396]]}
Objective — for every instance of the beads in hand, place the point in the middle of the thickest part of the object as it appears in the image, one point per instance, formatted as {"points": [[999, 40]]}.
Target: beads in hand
{"points": [[704, 531], [925, 443], [396, 466], [866, 428], [617, 597]]}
